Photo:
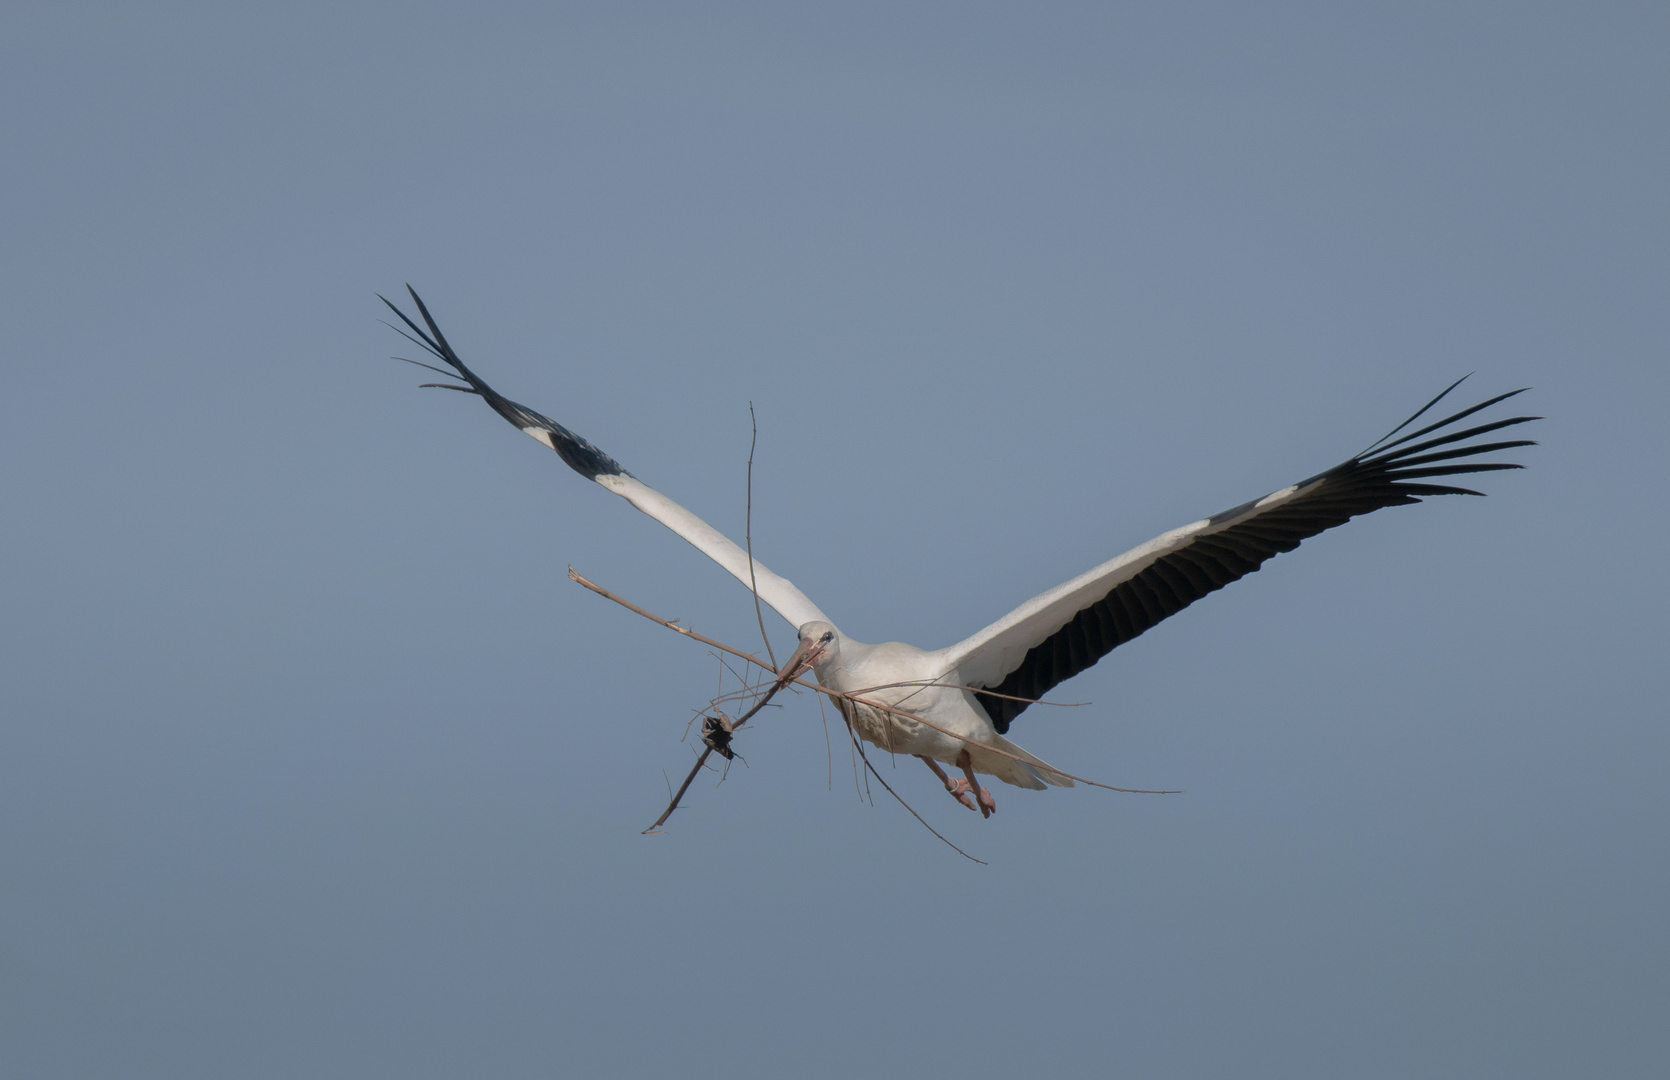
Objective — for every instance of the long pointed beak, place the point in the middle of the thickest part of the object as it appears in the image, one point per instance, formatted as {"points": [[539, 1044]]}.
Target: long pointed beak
{"points": [[800, 662]]}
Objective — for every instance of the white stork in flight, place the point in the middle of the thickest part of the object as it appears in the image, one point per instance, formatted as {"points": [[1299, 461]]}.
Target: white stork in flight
{"points": [[969, 693]]}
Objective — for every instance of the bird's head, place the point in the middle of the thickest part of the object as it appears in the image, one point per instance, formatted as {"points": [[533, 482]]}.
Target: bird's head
{"points": [[819, 644]]}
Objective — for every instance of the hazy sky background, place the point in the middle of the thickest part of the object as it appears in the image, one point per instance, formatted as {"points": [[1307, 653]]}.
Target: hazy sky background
{"points": [[313, 763]]}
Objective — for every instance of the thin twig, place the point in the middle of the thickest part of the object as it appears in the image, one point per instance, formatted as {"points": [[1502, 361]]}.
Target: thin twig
{"points": [[671, 624], [853, 735], [975, 690], [682, 788], [736, 696], [828, 750], [856, 787], [723, 663], [748, 536]]}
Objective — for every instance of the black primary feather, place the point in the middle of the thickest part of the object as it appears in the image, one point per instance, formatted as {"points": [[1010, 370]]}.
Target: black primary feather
{"points": [[1387, 474], [581, 455]]}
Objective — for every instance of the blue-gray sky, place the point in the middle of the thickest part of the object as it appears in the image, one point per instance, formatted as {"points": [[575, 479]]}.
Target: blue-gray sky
{"points": [[313, 763]]}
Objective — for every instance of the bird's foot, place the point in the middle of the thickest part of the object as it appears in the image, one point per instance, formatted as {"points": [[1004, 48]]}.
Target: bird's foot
{"points": [[988, 805], [959, 789]]}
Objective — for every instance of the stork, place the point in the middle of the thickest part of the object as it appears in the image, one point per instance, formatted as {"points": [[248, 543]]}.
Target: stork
{"points": [[954, 706]]}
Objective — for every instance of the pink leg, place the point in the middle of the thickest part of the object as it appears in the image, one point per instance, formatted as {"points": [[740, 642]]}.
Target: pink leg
{"points": [[988, 805], [958, 788]]}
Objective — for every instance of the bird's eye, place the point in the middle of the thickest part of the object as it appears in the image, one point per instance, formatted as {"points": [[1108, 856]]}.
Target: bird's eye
{"points": [[828, 636]]}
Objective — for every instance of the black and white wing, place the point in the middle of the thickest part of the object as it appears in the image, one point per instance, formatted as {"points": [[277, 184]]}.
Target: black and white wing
{"points": [[594, 464], [1058, 634]]}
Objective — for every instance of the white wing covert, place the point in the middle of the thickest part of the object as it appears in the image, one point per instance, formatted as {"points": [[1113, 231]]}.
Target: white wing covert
{"points": [[594, 464]]}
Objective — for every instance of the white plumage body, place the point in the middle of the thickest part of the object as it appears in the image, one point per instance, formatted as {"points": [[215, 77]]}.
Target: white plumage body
{"points": [[911, 681]]}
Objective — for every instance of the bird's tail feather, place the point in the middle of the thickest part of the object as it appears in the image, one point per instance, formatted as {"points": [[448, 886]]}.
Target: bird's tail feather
{"points": [[1028, 772]]}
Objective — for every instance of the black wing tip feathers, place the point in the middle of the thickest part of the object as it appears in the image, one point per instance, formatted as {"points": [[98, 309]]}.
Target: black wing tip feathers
{"points": [[1239, 541], [428, 320], [1394, 465], [578, 453], [1442, 394]]}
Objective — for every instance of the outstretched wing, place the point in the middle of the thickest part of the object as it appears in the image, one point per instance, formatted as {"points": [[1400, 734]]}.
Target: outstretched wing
{"points": [[594, 464], [1058, 634]]}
